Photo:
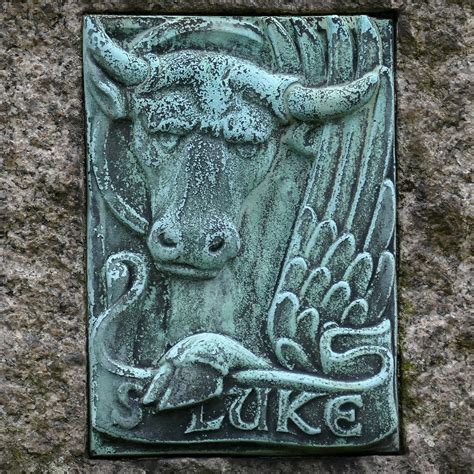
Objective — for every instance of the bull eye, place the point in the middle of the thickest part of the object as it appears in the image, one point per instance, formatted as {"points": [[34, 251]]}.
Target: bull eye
{"points": [[167, 141], [247, 150]]}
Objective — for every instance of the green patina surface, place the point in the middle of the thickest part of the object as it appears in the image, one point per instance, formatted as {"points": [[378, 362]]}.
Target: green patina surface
{"points": [[241, 234]]}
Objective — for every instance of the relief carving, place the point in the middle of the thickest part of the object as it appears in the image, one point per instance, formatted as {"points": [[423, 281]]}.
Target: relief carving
{"points": [[241, 233]]}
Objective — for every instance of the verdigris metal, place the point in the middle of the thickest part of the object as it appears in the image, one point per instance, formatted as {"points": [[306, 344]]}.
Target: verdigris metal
{"points": [[241, 234]]}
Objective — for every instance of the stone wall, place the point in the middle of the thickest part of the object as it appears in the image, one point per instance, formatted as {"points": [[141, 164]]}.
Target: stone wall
{"points": [[44, 388]]}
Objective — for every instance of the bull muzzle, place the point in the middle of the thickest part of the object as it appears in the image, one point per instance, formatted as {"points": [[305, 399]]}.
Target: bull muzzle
{"points": [[192, 251]]}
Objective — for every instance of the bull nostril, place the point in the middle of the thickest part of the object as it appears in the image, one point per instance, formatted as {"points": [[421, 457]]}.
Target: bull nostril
{"points": [[217, 243], [166, 240]]}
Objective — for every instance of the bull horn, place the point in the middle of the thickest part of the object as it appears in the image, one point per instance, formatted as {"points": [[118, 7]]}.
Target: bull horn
{"points": [[310, 104], [123, 66]]}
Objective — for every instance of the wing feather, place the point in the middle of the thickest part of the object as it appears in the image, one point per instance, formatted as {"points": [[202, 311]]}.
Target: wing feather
{"points": [[340, 45], [325, 170], [382, 225], [370, 46], [311, 48], [335, 301], [308, 324], [291, 355], [359, 274], [304, 228], [356, 313], [339, 255], [285, 53], [380, 288], [315, 287], [295, 274], [322, 238]]}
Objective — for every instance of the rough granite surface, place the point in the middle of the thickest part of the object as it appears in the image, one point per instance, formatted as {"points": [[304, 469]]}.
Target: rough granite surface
{"points": [[43, 335]]}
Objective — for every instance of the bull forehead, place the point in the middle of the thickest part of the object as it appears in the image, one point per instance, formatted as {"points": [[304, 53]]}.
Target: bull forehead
{"points": [[210, 83], [205, 99]]}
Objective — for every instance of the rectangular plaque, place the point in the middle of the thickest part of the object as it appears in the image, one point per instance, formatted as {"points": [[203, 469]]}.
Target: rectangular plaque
{"points": [[241, 214]]}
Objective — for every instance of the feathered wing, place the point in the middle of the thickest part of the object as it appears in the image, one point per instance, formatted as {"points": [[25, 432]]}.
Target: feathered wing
{"points": [[339, 270]]}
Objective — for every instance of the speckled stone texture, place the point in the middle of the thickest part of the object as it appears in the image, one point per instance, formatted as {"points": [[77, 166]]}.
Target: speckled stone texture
{"points": [[43, 335]]}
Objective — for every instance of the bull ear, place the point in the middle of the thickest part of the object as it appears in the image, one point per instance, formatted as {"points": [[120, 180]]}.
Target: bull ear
{"points": [[109, 72], [109, 96]]}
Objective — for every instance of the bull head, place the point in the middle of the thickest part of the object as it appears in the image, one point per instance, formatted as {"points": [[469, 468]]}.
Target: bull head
{"points": [[205, 129]]}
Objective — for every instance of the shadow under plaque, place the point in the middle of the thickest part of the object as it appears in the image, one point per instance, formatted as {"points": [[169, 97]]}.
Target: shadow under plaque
{"points": [[241, 215]]}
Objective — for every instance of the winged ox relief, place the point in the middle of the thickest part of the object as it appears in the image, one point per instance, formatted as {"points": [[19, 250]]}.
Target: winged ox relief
{"points": [[241, 231]]}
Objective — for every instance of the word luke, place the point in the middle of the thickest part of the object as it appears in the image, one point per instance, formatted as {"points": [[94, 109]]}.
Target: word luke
{"points": [[334, 411]]}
